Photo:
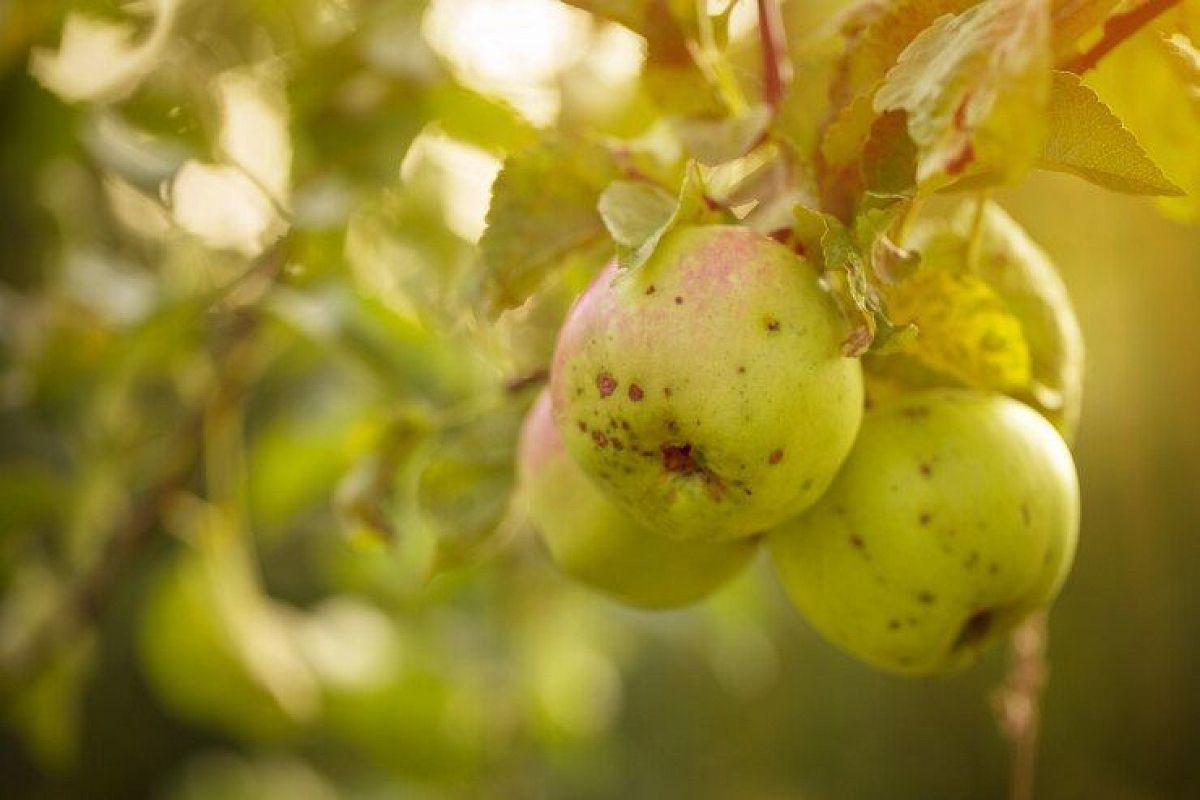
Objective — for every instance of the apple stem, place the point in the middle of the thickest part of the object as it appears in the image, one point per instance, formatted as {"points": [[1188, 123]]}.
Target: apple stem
{"points": [[1117, 29], [1017, 702], [777, 66]]}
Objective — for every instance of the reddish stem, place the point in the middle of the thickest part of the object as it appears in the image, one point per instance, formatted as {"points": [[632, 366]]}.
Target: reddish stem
{"points": [[1116, 30], [777, 67]]}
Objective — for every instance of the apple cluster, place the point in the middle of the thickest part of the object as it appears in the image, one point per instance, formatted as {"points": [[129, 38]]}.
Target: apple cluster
{"points": [[701, 404]]}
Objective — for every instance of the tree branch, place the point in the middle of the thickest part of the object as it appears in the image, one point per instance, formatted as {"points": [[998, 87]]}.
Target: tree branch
{"points": [[1116, 30], [777, 67]]}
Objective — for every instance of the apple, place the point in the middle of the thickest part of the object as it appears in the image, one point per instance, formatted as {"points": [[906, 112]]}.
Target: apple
{"points": [[706, 391], [954, 517], [598, 544]]}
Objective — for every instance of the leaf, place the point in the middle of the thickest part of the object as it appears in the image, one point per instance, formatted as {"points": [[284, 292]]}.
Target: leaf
{"points": [[633, 210], [543, 209], [1001, 321], [463, 490], [715, 141], [975, 89], [692, 208], [1147, 85], [839, 251], [1086, 139], [966, 330], [889, 157], [875, 50]]}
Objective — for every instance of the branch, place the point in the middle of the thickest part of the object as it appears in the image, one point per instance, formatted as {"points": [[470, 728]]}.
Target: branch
{"points": [[1018, 702], [1116, 30], [777, 67]]}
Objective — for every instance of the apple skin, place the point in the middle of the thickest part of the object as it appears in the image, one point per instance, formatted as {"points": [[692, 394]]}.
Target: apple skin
{"points": [[596, 543], [954, 517], [705, 391]]}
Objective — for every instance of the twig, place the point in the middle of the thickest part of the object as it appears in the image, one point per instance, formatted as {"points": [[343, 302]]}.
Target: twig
{"points": [[1018, 701], [777, 67], [1117, 29], [521, 382]]}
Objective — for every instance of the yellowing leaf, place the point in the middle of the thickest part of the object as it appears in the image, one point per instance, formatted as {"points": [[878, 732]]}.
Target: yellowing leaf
{"points": [[1000, 321], [873, 52], [543, 211], [1143, 81], [975, 88], [1086, 139], [964, 329]]}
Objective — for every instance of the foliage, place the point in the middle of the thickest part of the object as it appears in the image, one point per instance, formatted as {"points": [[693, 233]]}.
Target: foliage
{"points": [[265, 353]]}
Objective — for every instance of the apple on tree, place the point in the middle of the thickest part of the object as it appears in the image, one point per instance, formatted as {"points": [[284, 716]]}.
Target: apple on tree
{"points": [[954, 517], [705, 390], [598, 544]]}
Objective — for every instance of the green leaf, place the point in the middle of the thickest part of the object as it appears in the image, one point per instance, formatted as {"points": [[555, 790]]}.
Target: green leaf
{"points": [[839, 251], [692, 208], [1086, 139], [975, 88], [543, 210], [463, 490], [633, 210], [715, 141]]}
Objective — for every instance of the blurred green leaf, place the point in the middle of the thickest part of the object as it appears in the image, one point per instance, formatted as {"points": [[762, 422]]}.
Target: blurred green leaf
{"points": [[543, 210]]}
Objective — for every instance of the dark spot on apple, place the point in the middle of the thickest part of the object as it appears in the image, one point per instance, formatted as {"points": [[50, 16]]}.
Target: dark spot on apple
{"points": [[971, 560], [893, 624], [856, 541], [673, 426], [678, 300], [635, 393], [974, 630], [925, 597], [916, 412], [617, 444], [650, 289], [993, 568], [678, 458], [808, 482], [771, 324], [582, 426], [741, 370], [666, 391], [925, 470], [775, 457], [606, 383], [600, 439], [924, 518]]}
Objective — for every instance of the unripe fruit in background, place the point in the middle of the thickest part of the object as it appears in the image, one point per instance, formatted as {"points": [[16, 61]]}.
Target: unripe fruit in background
{"points": [[954, 517], [597, 543], [705, 391]]}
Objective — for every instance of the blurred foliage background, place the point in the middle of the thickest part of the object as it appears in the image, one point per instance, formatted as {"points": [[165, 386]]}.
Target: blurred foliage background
{"points": [[256, 445]]}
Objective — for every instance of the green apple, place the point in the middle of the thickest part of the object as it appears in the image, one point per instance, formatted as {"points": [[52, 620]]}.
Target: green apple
{"points": [[706, 391], [595, 542], [954, 517]]}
